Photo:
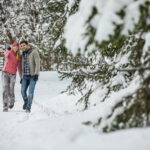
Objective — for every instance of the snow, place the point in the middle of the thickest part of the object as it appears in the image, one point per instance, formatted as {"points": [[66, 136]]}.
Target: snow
{"points": [[104, 21], [73, 37], [147, 43], [56, 123], [132, 17], [70, 4]]}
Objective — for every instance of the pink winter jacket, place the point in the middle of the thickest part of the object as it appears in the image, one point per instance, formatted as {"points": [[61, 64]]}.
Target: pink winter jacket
{"points": [[11, 63]]}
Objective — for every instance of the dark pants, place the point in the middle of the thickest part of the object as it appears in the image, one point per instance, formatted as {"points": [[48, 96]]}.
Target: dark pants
{"points": [[28, 81]]}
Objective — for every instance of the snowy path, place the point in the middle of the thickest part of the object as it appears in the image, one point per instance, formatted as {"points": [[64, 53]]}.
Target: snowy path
{"points": [[54, 125]]}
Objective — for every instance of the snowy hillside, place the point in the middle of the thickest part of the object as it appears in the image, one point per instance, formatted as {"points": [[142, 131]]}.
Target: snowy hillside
{"points": [[56, 123]]}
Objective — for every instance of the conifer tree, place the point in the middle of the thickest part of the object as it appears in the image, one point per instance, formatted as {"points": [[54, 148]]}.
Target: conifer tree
{"points": [[118, 69], [39, 22]]}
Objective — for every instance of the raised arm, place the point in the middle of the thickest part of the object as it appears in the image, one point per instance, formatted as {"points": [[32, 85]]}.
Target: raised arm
{"points": [[7, 52]]}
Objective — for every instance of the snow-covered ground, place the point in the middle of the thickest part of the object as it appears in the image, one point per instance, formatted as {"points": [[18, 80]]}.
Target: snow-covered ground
{"points": [[56, 124]]}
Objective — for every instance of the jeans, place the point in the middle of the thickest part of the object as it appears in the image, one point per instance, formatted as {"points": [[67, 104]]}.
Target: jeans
{"points": [[28, 81]]}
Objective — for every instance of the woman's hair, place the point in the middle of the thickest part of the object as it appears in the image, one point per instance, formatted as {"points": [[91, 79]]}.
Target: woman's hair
{"points": [[18, 55], [18, 52]]}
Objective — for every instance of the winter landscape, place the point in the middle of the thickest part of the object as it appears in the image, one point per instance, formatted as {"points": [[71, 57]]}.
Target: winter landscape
{"points": [[55, 123], [93, 91]]}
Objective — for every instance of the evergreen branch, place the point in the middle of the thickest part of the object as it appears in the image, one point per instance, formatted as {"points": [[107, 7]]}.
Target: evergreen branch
{"points": [[134, 69], [80, 64]]}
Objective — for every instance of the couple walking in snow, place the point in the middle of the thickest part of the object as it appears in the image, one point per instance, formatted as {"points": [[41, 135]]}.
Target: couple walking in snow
{"points": [[28, 65]]}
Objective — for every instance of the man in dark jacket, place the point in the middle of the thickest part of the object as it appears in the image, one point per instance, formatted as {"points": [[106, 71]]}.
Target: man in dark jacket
{"points": [[30, 68]]}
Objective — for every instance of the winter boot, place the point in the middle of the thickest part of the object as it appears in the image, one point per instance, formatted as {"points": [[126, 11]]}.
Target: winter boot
{"points": [[24, 106], [28, 110], [5, 109], [11, 105]]}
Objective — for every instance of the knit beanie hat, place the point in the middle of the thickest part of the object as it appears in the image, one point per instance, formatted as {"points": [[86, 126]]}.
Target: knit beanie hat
{"points": [[15, 44]]}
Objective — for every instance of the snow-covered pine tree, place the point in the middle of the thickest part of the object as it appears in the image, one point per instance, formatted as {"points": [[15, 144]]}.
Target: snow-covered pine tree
{"points": [[40, 22], [53, 19], [112, 40], [20, 20], [57, 12], [5, 33]]}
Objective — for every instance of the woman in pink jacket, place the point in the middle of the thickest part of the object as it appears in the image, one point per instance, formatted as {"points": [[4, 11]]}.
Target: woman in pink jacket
{"points": [[12, 62]]}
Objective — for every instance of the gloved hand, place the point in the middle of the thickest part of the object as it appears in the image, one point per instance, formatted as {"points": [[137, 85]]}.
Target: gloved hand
{"points": [[35, 77], [21, 81], [8, 48]]}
